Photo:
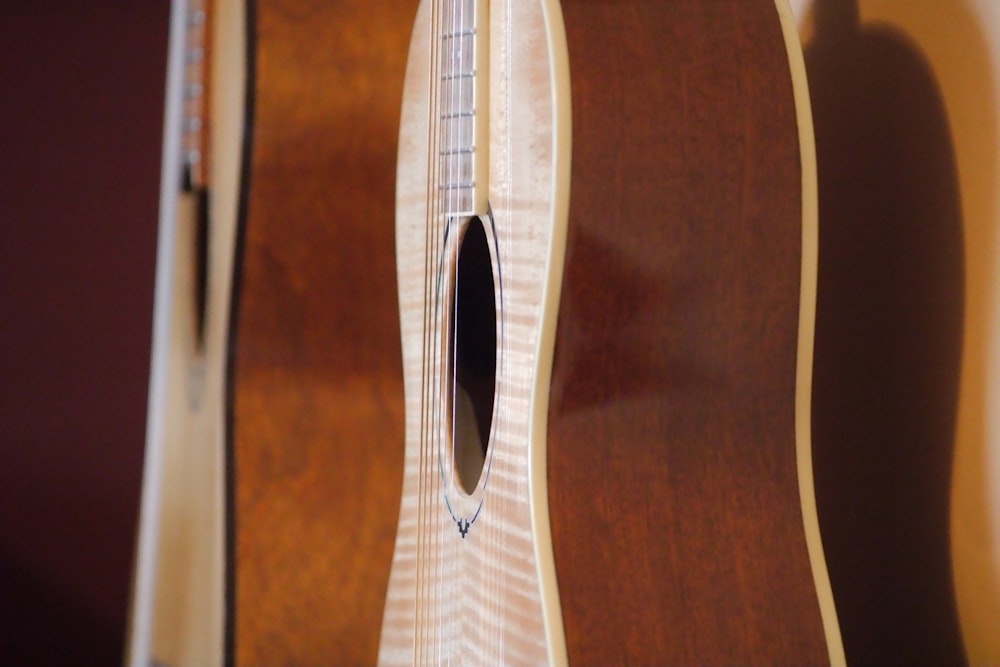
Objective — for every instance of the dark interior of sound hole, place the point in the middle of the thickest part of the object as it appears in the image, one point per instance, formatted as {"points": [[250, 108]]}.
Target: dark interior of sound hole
{"points": [[474, 326], [201, 227], [201, 267]]}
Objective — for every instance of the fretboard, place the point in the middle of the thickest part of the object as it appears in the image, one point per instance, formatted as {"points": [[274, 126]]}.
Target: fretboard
{"points": [[195, 124], [462, 107]]}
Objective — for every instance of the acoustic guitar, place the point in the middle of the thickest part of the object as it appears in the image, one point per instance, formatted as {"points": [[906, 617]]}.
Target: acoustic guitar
{"points": [[273, 457], [618, 474], [606, 254]]}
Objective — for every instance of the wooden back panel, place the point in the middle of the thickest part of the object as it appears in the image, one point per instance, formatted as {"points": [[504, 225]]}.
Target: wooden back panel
{"points": [[674, 495], [316, 393]]}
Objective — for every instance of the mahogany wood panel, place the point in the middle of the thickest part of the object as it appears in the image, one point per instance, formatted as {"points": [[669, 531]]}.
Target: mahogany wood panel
{"points": [[316, 391], [677, 528]]}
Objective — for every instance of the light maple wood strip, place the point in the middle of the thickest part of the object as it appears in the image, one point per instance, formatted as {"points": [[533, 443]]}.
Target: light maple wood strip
{"points": [[487, 587]]}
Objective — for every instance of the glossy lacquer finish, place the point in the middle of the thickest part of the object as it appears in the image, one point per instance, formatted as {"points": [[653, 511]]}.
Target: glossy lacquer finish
{"points": [[316, 424], [677, 526]]}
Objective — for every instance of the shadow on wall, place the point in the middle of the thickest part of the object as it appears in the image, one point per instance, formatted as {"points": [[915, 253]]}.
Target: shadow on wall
{"points": [[888, 340]]}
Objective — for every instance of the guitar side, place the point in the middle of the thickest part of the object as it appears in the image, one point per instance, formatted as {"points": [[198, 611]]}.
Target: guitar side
{"points": [[679, 427]]}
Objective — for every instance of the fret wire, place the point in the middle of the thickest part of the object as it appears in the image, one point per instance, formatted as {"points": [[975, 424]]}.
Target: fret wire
{"points": [[456, 94], [196, 121]]}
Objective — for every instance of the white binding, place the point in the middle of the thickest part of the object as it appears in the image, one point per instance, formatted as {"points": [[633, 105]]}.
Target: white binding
{"points": [[538, 419], [807, 332]]}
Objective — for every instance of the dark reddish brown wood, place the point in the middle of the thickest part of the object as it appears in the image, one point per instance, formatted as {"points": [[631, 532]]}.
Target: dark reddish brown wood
{"points": [[316, 386], [676, 520]]}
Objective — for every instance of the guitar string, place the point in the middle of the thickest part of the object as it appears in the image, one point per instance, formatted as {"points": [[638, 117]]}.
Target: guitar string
{"points": [[454, 220], [467, 124], [465, 177], [420, 555], [445, 235], [496, 532], [441, 320], [444, 470], [454, 209], [451, 221], [441, 330], [506, 67], [419, 581], [426, 468], [490, 549], [439, 522], [480, 25], [501, 496]]}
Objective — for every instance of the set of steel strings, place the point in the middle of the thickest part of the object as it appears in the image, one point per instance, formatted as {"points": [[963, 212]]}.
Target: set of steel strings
{"points": [[455, 194]]}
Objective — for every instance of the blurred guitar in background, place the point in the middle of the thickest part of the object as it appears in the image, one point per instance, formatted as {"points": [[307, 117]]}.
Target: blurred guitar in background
{"points": [[276, 395]]}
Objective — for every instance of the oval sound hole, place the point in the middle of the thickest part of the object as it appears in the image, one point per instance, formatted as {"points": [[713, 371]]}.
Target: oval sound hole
{"points": [[473, 355], [201, 267], [200, 198]]}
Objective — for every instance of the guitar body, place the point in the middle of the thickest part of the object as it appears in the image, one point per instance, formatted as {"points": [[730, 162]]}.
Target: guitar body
{"points": [[645, 494]]}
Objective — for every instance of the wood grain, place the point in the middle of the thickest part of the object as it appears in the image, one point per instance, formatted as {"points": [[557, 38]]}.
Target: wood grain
{"points": [[316, 390], [476, 599], [677, 528]]}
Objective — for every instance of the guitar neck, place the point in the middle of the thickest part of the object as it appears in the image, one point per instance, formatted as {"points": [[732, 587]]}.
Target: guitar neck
{"points": [[463, 39], [197, 89]]}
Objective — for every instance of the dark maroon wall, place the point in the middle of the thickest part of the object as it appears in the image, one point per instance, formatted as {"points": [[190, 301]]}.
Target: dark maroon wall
{"points": [[80, 124]]}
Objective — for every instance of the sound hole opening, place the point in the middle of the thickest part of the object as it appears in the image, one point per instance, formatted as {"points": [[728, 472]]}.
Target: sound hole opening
{"points": [[200, 252], [473, 355]]}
